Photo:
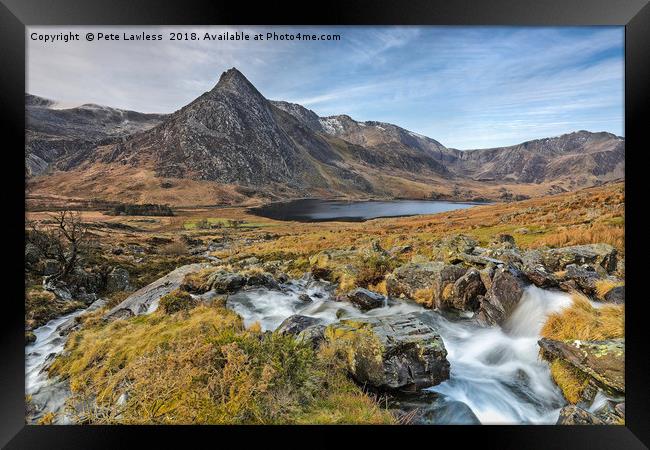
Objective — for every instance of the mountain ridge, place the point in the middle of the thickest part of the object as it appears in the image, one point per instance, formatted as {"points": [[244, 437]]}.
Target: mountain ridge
{"points": [[233, 136]]}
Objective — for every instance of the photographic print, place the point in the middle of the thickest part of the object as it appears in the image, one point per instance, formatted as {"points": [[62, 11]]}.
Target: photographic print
{"points": [[414, 225]]}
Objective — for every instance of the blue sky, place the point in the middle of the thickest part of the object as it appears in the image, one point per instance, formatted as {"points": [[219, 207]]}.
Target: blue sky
{"points": [[467, 87]]}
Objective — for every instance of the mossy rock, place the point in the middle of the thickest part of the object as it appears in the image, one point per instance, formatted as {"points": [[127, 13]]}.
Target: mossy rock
{"points": [[604, 360], [413, 279], [391, 352]]}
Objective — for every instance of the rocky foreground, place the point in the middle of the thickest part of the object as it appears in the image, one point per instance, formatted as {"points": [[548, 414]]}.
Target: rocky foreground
{"points": [[143, 317]]}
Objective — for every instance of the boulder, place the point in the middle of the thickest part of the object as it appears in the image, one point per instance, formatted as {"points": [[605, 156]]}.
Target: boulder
{"points": [[616, 295], [391, 351], [224, 282], [573, 415], [59, 288], [602, 360], [261, 279], [314, 335], [400, 249], [465, 292], [487, 273], [433, 277], [502, 298], [295, 324], [365, 300], [117, 280], [449, 247], [146, 299], [540, 277], [603, 255], [431, 408], [305, 298], [583, 278], [90, 281], [533, 268]]}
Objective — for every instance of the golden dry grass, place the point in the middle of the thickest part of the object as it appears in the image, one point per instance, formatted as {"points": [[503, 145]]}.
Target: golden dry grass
{"points": [[571, 381], [604, 286], [203, 367], [582, 321]]}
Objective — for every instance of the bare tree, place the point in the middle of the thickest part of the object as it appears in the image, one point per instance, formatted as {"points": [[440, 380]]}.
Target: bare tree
{"points": [[63, 239]]}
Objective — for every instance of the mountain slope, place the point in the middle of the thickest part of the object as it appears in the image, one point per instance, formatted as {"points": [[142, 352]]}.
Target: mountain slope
{"points": [[232, 144], [52, 134], [583, 156]]}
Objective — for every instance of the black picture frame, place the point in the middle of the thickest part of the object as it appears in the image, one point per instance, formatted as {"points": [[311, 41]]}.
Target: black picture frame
{"points": [[16, 14]]}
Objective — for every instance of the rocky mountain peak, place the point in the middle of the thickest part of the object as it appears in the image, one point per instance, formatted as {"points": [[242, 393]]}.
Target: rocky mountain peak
{"points": [[234, 81]]}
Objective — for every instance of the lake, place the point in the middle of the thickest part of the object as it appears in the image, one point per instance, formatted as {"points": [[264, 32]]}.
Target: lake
{"points": [[317, 210]]}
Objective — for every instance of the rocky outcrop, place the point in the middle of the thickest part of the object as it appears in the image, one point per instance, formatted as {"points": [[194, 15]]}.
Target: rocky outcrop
{"points": [[117, 280], [227, 282], [423, 282], [452, 249], [364, 299], [604, 361], [616, 295], [602, 255], [502, 298], [573, 415], [391, 352], [296, 324], [146, 299], [466, 292]]}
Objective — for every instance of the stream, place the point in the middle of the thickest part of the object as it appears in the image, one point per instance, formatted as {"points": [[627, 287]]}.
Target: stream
{"points": [[496, 376], [49, 395]]}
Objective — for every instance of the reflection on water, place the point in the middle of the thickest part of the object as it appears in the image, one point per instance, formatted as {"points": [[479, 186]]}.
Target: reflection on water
{"points": [[313, 210]]}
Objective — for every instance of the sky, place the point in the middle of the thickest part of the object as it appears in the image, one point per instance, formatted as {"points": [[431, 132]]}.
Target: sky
{"points": [[466, 87]]}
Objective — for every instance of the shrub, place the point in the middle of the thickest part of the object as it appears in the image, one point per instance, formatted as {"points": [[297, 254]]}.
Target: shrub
{"points": [[373, 269], [177, 301]]}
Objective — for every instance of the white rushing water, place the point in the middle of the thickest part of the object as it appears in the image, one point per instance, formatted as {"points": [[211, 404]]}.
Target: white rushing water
{"points": [[495, 371], [47, 394], [496, 374]]}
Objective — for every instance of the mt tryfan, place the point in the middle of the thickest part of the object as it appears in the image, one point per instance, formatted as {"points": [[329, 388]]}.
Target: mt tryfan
{"points": [[232, 145]]}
